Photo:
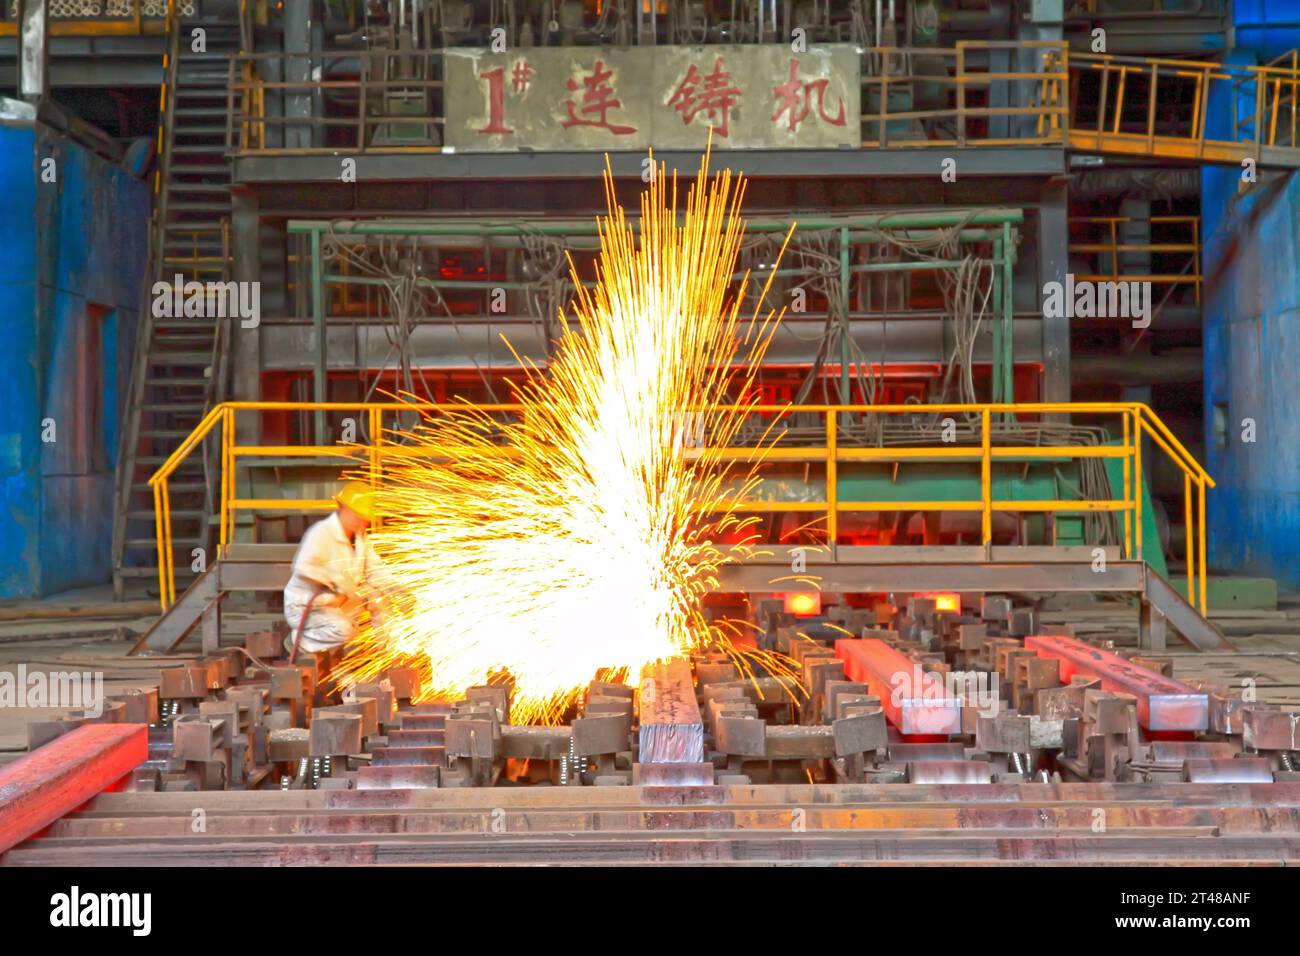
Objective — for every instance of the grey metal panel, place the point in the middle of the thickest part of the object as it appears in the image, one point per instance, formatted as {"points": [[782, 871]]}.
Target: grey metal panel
{"points": [[925, 163], [254, 575], [249, 551]]}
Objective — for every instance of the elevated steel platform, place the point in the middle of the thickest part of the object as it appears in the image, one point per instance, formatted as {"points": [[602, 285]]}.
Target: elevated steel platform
{"points": [[1027, 570]]}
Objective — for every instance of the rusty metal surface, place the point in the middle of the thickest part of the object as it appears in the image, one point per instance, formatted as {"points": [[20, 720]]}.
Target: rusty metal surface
{"points": [[951, 824]]}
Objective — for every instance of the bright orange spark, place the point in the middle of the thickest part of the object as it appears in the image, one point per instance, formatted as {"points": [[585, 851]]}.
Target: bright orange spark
{"points": [[583, 535]]}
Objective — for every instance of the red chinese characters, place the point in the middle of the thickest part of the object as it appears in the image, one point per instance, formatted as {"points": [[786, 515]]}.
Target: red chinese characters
{"points": [[713, 94], [521, 75], [795, 98], [597, 100]]}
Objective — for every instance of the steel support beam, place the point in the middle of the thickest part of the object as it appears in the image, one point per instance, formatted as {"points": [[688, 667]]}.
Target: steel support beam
{"points": [[1053, 264], [246, 344], [374, 167], [34, 52]]}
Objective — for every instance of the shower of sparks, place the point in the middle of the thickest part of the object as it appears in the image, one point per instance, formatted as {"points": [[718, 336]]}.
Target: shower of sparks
{"points": [[580, 537]]}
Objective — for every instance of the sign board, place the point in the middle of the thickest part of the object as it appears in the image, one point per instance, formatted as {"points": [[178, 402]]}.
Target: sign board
{"points": [[632, 98]]}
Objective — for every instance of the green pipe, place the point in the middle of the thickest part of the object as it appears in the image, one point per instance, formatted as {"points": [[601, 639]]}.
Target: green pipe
{"points": [[585, 239], [996, 358], [846, 329], [1008, 355], [911, 220]]}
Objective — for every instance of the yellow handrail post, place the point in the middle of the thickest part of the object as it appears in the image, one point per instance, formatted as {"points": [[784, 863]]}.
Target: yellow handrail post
{"points": [[158, 516], [1151, 109], [1128, 490], [1201, 543], [1119, 98], [376, 437], [232, 488], [168, 554], [986, 481], [227, 441], [1137, 484], [1187, 520], [832, 479]]}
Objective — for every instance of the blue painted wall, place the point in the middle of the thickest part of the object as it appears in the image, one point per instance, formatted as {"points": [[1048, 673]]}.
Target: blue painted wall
{"points": [[1252, 354], [1252, 331], [75, 257], [1266, 27]]}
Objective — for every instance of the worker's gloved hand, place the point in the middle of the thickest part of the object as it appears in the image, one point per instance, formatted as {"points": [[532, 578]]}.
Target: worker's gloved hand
{"points": [[329, 599]]}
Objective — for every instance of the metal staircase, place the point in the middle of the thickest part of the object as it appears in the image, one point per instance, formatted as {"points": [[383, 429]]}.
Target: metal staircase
{"points": [[179, 369]]}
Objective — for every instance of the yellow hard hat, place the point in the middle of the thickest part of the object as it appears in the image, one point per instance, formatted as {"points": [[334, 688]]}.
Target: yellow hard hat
{"points": [[358, 497]]}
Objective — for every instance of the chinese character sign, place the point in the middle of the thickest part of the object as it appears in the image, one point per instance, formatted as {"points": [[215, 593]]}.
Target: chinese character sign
{"points": [[631, 98]]}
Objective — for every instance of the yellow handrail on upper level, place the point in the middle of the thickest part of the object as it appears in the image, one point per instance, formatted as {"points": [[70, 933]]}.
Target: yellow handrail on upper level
{"points": [[1137, 420], [1139, 125]]}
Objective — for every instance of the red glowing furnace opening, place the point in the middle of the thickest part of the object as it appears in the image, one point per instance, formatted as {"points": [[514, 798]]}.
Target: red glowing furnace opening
{"points": [[945, 601], [803, 604]]}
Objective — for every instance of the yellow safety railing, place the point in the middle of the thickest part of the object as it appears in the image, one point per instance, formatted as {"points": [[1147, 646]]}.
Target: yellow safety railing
{"points": [[1136, 420], [1113, 248], [1133, 98], [967, 72]]}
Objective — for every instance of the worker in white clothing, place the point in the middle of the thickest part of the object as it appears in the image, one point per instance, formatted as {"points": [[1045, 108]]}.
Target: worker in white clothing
{"points": [[323, 599]]}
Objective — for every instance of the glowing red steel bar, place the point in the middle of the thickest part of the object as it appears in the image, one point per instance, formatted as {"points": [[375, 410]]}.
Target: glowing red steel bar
{"points": [[53, 780], [1162, 703], [915, 702]]}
